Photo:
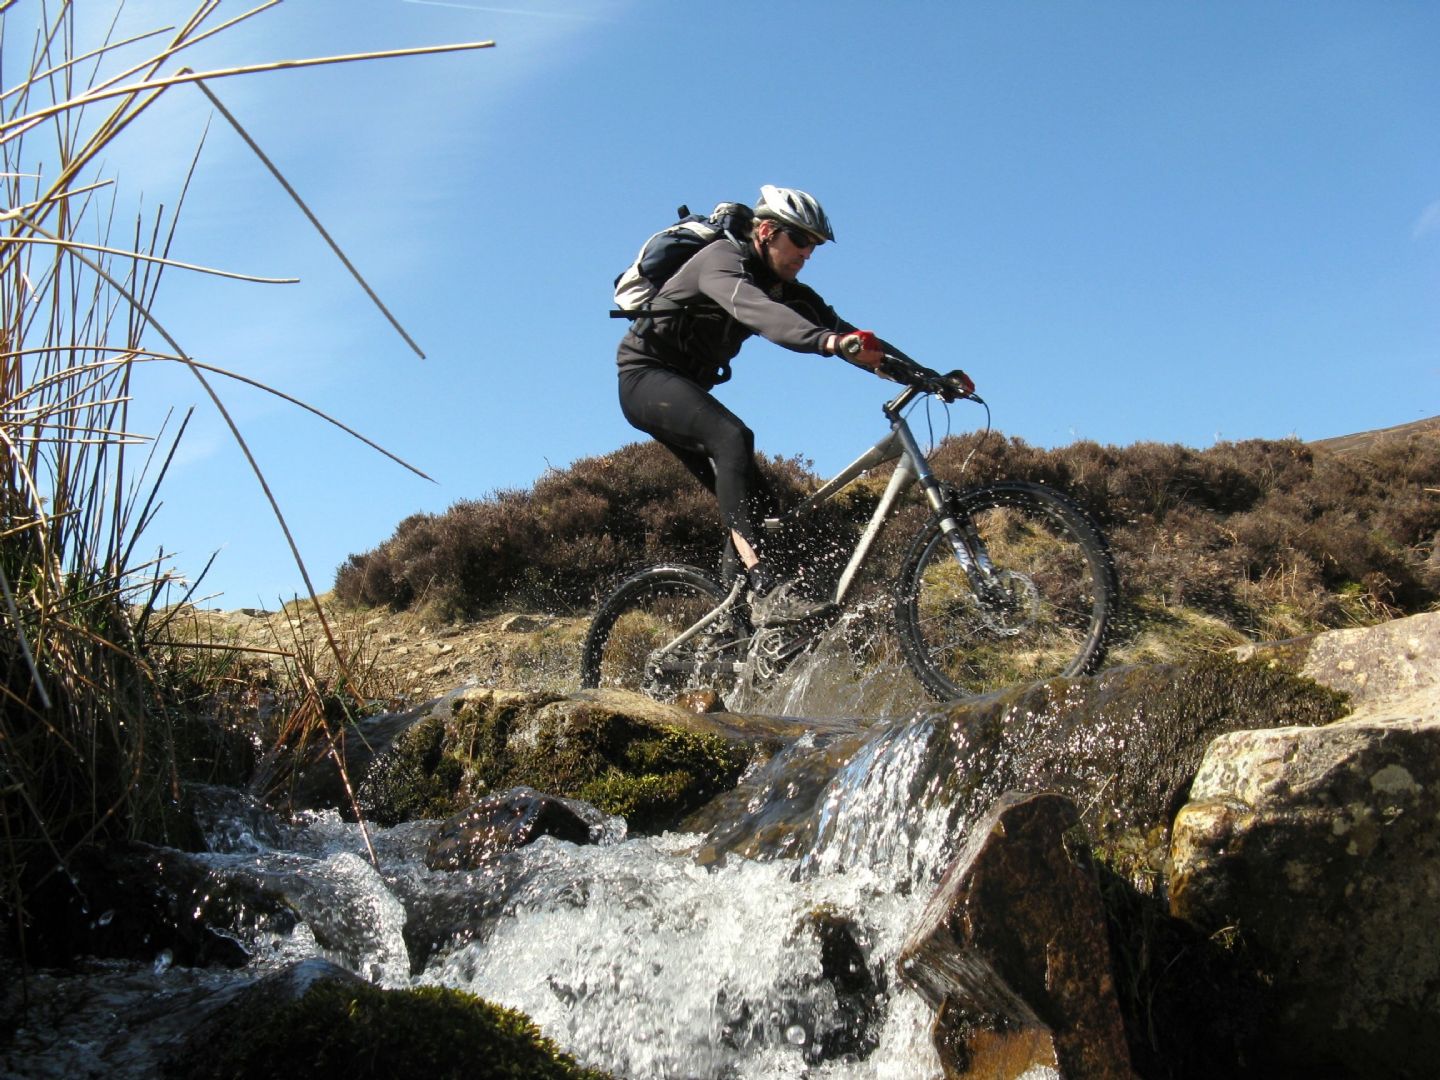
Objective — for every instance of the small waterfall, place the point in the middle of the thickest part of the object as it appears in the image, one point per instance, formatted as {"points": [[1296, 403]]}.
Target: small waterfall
{"points": [[634, 954], [644, 963], [879, 814]]}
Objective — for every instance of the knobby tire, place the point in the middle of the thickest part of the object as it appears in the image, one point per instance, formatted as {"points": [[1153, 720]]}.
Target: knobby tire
{"points": [[645, 611], [1057, 592]]}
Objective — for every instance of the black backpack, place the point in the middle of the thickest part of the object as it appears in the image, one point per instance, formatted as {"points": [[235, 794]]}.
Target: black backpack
{"points": [[671, 248]]}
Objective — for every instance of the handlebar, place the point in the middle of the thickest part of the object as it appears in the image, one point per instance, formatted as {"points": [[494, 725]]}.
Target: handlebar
{"points": [[952, 386]]}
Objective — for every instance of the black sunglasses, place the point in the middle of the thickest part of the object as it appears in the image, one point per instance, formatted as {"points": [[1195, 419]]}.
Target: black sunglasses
{"points": [[800, 238]]}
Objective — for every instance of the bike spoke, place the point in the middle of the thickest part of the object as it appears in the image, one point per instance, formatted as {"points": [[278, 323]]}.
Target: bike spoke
{"points": [[635, 642], [1036, 614]]}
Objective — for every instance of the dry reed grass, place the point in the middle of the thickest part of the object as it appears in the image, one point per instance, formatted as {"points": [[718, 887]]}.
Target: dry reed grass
{"points": [[94, 737]]}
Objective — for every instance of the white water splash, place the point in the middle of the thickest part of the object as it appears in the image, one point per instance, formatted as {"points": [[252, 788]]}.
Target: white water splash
{"points": [[639, 961], [642, 963]]}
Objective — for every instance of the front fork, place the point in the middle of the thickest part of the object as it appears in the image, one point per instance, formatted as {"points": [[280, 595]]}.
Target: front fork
{"points": [[964, 541]]}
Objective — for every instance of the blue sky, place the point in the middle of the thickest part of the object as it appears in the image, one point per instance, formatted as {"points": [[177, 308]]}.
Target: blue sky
{"points": [[1129, 221]]}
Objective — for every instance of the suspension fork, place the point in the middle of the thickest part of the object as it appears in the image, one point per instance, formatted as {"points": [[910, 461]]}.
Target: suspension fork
{"points": [[965, 542]]}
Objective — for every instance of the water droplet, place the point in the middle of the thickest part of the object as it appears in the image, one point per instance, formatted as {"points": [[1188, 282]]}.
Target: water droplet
{"points": [[796, 1035], [163, 961], [105, 919]]}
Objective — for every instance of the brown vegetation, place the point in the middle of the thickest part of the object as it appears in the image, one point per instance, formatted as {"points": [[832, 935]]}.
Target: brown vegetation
{"points": [[102, 719], [1247, 540]]}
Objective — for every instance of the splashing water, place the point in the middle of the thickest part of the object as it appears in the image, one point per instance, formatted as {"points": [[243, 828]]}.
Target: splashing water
{"points": [[641, 962], [852, 669], [635, 956]]}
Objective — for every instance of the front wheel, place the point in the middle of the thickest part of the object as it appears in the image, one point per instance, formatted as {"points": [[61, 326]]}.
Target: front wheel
{"points": [[1035, 604], [633, 642]]}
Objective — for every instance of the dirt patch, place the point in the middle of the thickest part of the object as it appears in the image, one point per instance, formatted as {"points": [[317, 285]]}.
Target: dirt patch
{"points": [[398, 656]]}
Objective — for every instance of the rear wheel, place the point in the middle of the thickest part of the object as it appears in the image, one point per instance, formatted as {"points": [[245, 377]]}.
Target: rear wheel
{"points": [[1042, 610], [631, 642]]}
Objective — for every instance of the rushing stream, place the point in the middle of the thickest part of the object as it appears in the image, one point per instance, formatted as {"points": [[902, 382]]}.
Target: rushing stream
{"points": [[636, 955]]}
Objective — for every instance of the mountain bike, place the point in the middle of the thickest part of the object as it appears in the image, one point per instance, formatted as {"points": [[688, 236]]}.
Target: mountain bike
{"points": [[1006, 583]]}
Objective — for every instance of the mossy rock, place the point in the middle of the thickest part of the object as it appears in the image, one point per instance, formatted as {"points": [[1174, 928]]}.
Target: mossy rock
{"points": [[651, 775], [415, 778], [346, 1028], [648, 772], [1124, 745]]}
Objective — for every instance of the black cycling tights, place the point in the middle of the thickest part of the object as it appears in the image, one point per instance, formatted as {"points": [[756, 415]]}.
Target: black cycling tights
{"points": [[710, 441]]}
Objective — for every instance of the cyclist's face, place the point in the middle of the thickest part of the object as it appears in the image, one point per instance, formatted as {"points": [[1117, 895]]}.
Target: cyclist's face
{"points": [[787, 257]]}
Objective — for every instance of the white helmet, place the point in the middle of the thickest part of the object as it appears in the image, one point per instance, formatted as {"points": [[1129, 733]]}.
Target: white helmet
{"points": [[791, 206]]}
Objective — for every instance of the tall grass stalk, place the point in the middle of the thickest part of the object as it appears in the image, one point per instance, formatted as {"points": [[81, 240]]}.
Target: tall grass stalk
{"points": [[93, 742]]}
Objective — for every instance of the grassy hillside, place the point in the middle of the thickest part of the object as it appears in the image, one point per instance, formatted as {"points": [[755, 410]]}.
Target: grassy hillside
{"points": [[1248, 540]]}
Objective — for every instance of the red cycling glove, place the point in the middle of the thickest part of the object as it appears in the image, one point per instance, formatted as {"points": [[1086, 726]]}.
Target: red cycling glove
{"points": [[857, 342]]}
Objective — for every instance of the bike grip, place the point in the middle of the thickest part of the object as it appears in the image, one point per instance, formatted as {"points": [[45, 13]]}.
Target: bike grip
{"points": [[857, 341]]}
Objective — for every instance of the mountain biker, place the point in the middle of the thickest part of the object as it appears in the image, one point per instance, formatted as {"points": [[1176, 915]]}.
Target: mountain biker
{"points": [[671, 359]]}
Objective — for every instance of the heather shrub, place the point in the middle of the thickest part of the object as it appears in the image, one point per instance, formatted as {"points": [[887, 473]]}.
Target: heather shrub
{"points": [[556, 545], [1267, 537]]}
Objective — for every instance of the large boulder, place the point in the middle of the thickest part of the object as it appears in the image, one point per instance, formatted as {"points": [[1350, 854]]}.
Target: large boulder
{"points": [[1319, 845], [625, 754], [1388, 670], [1012, 951], [1124, 744]]}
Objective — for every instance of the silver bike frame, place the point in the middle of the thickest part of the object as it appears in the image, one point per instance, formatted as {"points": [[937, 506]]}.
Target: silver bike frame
{"points": [[902, 444], [913, 466]]}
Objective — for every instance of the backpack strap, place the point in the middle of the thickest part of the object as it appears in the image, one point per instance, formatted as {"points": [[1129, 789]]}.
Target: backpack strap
{"points": [[657, 306]]}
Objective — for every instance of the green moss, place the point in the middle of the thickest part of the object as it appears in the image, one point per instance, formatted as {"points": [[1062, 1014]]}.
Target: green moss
{"points": [[649, 774], [417, 778], [357, 1031], [636, 798]]}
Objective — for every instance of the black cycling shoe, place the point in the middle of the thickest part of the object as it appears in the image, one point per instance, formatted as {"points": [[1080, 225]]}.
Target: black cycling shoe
{"points": [[777, 603]]}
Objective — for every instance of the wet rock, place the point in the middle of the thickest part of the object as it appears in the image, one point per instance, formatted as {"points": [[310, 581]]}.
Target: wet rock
{"points": [[1124, 744], [700, 701], [1320, 844], [627, 755], [132, 901], [1012, 952], [859, 989], [315, 782], [413, 778], [774, 812], [319, 1020], [506, 821], [232, 820]]}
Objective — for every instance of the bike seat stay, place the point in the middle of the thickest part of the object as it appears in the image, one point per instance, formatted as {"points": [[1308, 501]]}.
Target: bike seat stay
{"points": [[705, 621]]}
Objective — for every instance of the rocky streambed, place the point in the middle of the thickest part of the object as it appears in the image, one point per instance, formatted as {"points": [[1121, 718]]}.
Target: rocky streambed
{"points": [[1217, 868]]}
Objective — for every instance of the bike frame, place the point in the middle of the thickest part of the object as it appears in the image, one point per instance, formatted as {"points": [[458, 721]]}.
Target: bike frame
{"points": [[914, 466]]}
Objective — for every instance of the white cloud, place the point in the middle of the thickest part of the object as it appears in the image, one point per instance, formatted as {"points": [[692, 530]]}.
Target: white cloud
{"points": [[1428, 222]]}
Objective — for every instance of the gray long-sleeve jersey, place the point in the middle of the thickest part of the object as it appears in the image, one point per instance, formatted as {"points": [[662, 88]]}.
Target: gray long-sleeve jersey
{"points": [[726, 296]]}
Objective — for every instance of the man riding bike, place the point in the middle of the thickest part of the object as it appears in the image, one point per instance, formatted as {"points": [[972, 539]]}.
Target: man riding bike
{"points": [[671, 359]]}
